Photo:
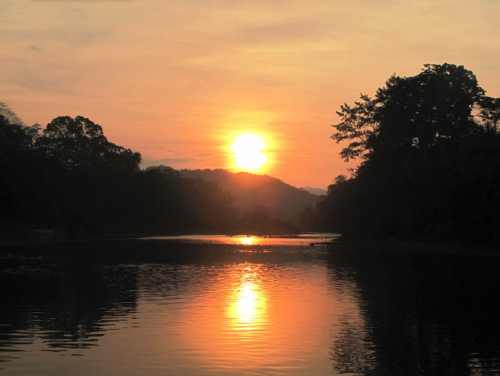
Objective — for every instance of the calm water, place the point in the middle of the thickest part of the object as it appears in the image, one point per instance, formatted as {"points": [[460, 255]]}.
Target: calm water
{"points": [[245, 306]]}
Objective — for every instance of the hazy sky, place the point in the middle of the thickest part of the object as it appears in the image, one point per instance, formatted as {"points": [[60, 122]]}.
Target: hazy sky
{"points": [[178, 80]]}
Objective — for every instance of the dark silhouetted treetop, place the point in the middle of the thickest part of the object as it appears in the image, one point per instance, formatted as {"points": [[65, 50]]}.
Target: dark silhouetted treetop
{"points": [[490, 112], [9, 115], [13, 131], [12, 134], [415, 112], [81, 142]]}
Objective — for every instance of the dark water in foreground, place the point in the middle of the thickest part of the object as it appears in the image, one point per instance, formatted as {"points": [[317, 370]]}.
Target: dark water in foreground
{"points": [[278, 307]]}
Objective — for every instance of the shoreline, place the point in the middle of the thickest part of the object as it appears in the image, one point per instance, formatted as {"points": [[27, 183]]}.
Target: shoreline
{"points": [[394, 245], [46, 238]]}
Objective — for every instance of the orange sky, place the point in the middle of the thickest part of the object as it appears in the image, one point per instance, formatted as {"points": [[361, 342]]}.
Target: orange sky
{"points": [[178, 80]]}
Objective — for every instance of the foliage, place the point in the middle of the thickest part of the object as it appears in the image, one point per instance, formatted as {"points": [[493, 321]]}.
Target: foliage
{"points": [[80, 142], [70, 177], [430, 160], [413, 113], [256, 223], [309, 219]]}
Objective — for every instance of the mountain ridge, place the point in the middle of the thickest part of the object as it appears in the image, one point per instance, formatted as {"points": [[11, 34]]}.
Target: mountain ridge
{"points": [[315, 191], [259, 193]]}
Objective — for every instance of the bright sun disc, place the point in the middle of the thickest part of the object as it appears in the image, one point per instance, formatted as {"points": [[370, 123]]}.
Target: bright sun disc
{"points": [[247, 151]]}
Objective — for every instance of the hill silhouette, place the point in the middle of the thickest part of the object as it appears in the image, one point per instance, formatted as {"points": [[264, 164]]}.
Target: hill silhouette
{"points": [[315, 191], [259, 193]]}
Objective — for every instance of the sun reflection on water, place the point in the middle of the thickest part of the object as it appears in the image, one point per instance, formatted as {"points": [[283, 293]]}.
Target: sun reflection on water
{"points": [[252, 316], [248, 304]]}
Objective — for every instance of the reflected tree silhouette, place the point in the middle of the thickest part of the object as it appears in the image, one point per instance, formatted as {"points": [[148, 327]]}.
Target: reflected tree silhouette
{"points": [[66, 293], [352, 351], [420, 314], [60, 299], [399, 312]]}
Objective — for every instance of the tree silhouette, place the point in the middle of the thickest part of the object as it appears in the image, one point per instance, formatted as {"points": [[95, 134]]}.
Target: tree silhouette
{"points": [[413, 112], [79, 142], [429, 145]]}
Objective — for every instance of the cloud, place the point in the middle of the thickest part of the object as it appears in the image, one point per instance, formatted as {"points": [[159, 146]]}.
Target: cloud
{"points": [[81, 1], [166, 161], [35, 49], [276, 33], [197, 158]]}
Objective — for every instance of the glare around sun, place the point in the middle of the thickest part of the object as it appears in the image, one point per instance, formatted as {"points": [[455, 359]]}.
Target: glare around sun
{"points": [[247, 151]]}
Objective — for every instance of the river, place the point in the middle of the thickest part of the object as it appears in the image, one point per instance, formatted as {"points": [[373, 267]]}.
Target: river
{"points": [[213, 305]]}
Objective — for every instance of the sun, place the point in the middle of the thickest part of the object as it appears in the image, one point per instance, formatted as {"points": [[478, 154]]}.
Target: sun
{"points": [[247, 151]]}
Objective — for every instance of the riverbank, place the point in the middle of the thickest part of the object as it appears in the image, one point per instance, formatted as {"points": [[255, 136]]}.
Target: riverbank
{"points": [[21, 234], [393, 245], [47, 237]]}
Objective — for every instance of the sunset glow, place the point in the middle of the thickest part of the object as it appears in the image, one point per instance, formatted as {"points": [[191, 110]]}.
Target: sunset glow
{"points": [[230, 188], [247, 149], [279, 69]]}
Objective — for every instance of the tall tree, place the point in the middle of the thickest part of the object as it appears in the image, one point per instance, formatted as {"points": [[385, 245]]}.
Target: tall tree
{"points": [[428, 144], [413, 112], [80, 142]]}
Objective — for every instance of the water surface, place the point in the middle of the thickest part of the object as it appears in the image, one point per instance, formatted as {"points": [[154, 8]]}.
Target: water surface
{"points": [[220, 305]]}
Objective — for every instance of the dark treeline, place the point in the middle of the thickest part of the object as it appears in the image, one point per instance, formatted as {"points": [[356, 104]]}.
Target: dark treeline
{"points": [[430, 149], [69, 177]]}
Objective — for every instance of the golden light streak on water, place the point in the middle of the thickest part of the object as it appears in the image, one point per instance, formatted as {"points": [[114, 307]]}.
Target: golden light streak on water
{"points": [[247, 302], [248, 305]]}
